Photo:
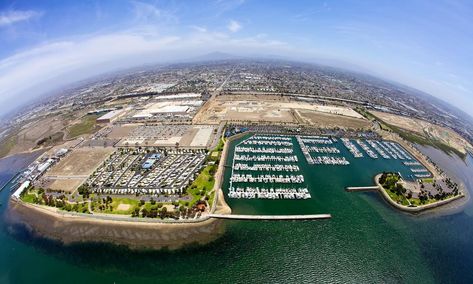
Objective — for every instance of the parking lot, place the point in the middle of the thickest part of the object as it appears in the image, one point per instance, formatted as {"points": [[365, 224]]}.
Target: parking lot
{"points": [[147, 171]]}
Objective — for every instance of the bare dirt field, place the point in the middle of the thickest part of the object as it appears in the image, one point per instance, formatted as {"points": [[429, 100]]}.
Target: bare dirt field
{"points": [[80, 162], [445, 135], [327, 120], [67, 185], [123, 207], [28, 136], [120, 131], [273, 109]]}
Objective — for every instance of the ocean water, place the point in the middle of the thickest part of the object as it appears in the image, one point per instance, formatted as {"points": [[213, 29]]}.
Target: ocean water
{"points": [[366, 241]]}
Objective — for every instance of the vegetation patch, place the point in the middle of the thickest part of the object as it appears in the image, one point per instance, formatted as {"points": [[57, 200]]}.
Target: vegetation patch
{"points": [[203, 184], [51, 139], [411, 136], [88, 125]]}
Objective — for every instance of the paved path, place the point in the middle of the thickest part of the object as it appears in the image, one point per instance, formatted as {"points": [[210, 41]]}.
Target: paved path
{"points": [[270, 217]]}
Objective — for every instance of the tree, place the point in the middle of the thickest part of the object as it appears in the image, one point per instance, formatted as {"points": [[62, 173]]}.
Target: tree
{"points": [[163, 212]]}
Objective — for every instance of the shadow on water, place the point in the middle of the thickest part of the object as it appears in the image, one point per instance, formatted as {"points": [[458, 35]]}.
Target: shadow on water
{"points": [[121, 260], [365, 241]]}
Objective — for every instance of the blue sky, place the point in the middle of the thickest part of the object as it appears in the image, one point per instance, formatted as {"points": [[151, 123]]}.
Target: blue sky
{"points": [[424, 44]]}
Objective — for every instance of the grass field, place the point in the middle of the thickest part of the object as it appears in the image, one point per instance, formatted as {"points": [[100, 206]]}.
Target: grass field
{"points": [[113, 207], [88, 125], [202, 185]]}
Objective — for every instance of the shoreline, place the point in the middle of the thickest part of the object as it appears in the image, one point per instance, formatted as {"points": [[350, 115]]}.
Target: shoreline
{"points": [[422, 208], [27, 152], [143, 234], [135, 233]]}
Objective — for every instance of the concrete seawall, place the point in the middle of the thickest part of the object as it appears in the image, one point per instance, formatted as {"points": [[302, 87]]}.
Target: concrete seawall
{"points": [[271, 217]]}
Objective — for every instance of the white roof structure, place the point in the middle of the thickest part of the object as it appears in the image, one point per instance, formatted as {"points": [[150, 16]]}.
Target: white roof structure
{"points": [[170, 109], [178, 96], [22, 187], [110, 115], [142, 115]]}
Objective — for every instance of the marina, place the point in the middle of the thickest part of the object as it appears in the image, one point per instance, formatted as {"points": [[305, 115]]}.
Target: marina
{"points": [[307, 167], [378, 149], [266, 167], [352, 148], [367, 149], [271, 193], [264, 150], [248, 178], [271, 162], [266, 158]]}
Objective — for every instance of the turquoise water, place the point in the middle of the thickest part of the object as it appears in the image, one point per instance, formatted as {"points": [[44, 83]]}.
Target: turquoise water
{"points": [[365, 241], [326, 184]]}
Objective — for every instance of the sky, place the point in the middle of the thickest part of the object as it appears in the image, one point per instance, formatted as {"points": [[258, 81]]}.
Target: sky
{"points": [[424, 44]]}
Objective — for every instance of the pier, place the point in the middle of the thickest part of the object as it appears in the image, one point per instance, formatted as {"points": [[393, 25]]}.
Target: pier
{"points": [[361, 188], [271, 217]]}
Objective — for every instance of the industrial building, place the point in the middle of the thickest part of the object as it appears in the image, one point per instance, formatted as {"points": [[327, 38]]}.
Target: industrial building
{"points": [[110, 116]]}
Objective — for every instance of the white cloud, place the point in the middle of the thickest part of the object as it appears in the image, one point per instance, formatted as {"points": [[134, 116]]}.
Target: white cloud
{"points": [[234, 26], [199, 28], [149, 14], [145, 11], [51, 65], [12, 17]]}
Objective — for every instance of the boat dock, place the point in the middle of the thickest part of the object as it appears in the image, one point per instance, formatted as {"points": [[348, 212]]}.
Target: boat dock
{"points": [[271, 217], [361, 188]]}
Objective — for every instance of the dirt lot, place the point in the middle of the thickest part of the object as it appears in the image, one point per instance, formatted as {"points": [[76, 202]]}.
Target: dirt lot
{"points": [[120, 131], [326, 120], [32, 132], [273, 109], [75, 168], [445, 135], [81, 162], [67, 185]]}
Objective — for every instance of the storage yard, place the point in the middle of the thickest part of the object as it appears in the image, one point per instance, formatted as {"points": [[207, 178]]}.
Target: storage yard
{"points": [[196, 136]]}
